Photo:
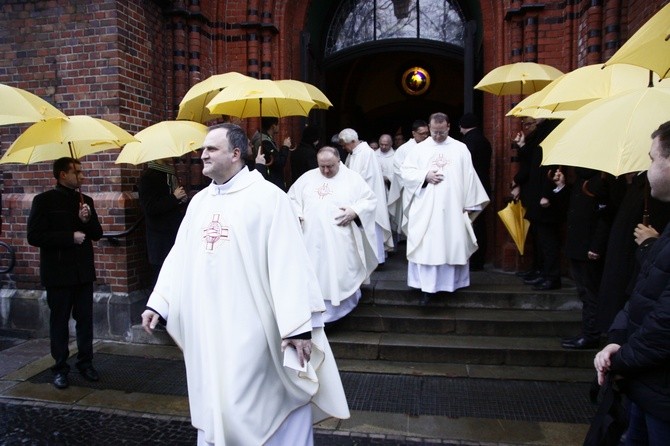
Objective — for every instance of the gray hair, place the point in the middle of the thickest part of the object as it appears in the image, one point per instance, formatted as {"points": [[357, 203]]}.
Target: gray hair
{"points": [[348, 135], [329, 149], [236, 137]]}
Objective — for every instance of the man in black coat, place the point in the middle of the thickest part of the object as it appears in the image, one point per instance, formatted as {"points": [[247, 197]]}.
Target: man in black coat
{"points": [[639, 351], [163, 202], [303, 158], [480, 150], [63, 223]]}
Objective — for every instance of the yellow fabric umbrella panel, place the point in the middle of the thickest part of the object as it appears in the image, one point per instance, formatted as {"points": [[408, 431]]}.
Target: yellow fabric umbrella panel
{"points": [[512, 217], [73, 136], [18, 106], [193, 106], [518, 78]]}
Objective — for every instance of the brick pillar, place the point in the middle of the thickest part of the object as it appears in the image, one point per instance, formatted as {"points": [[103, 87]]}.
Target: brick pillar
{"points": [[179, 53], [253, 42], [612, 28], [594, 31]]}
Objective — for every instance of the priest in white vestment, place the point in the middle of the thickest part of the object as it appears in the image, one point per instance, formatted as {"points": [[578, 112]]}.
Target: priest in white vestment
{"points": [[385, 156], [336, 208], [362, 159], [395, 197], [446, 196], [242, 301]]}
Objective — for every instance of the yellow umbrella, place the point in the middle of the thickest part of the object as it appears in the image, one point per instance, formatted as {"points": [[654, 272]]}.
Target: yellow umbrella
{"points": [[512, 217], [165, 139], [17, 106], [260, 98], [322, 102], [518, 78], [611, 134], [73, 136], [193, 106], [649, 47]]}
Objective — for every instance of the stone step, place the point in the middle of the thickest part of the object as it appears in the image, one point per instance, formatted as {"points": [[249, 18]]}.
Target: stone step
{"points": [[458, 349], [462, 321], [513, 295]]}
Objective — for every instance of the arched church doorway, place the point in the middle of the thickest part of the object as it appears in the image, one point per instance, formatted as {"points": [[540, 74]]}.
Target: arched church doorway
{"points": [[386, 63]]}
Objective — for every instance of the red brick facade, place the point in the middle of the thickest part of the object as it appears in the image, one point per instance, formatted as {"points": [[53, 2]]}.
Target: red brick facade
{"points": [[131, 63]]}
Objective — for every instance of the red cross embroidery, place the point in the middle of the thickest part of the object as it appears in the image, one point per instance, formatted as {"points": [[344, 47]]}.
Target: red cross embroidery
{"points": [[214, 232]]}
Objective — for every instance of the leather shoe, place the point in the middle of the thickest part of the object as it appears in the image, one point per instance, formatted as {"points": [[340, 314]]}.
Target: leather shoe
{"points": [[60, 381], [529, 274], [581, 343], [424, 299], [533, 280], [89, 373], [547, 285]]}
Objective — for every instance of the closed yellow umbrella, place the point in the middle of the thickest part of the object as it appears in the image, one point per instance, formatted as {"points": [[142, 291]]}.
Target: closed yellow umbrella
{"points": [[73, 136], [193, 106], [18, 106], [166, 139], [611, 134], [512, 217], [649, 47], [518, 78]]}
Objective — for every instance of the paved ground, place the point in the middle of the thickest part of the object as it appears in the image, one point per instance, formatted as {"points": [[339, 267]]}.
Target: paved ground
{"points": [[141, 399]]}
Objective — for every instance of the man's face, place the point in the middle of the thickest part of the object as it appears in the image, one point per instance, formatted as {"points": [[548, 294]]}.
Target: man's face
{"points": [[659, 172], [399, 139], [385, 143], [73, 178], [219, 163], [349, 146], [420, 134], [329, 164], [529, 125], [439, 131]]}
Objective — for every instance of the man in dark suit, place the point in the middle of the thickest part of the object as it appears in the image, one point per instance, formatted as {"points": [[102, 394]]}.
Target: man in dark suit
{"points": [[480, 149], [63, 223]]}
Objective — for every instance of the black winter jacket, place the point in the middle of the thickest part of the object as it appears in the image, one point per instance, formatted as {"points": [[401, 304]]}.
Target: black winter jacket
{"points": [[53, 220], [642, 329]]}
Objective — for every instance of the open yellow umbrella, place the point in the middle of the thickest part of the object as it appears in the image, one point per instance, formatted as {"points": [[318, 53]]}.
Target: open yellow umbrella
{"points": [[316, 95], [18, 106], [649, 47], [610, 134], [73, 136], [512, 217], [193, 106], [167, 139], [518, 78], [260, 98]]}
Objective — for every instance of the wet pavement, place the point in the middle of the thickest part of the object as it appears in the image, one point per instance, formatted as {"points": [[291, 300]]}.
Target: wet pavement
{"points": [[141, 399]]}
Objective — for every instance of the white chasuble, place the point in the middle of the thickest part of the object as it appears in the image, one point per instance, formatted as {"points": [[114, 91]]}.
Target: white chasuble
{"points": [[438, 227], [343, 256], [236, 282], [364, 161], [395, 196]]}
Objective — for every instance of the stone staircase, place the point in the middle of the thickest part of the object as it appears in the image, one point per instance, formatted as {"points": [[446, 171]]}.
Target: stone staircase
{"points": [[496, 328]]}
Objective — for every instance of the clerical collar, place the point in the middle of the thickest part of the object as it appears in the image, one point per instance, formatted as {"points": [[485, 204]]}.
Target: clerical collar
{"points": [[219, 189]]}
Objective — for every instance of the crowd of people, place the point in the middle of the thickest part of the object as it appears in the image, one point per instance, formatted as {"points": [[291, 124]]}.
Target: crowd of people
{"points": [[294, 250]]}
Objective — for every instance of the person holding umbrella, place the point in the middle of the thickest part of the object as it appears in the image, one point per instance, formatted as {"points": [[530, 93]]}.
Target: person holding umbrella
{"points": [[63, 223]]}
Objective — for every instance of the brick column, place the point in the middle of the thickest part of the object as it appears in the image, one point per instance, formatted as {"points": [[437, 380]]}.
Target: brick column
{"points": [[612, 28], [594, 32]]}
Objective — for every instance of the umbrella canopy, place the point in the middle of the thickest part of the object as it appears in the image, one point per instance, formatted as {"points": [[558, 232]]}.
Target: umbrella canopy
{"points": [[18, 106], [320, 99], [649, 47], [517, 226], [611, 134], [518, 78], [74, 136], [260, 98], [193, 105], [165, 139]]}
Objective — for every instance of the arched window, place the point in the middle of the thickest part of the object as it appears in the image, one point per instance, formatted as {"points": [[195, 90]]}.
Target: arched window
{"points": [[360, 21]]}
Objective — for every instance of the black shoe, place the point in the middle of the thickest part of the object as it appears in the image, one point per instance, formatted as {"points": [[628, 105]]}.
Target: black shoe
{"points": [[571, 339], [533, 280], [527, 274], [424, 299], [89, 373], [581, 343], [547, 285], [60, 381]]}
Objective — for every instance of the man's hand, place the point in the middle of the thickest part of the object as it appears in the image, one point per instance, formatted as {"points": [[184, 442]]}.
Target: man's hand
{"points": [[592, 255], [79, 237], [643, 232], [434, 177], [260, 158], [516, 190], [302, 346], [149, 320], [180, 194], [287, 142], [544, 202], [347, 216], [603, 361], [84, 213]]}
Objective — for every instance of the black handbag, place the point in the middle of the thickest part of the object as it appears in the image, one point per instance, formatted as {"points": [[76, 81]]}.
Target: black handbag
{"points": [[611, 419]]}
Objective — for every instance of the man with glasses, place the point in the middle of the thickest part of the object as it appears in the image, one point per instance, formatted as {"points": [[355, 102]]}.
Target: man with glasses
{"points": [[395, 199], [446, 196]]}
